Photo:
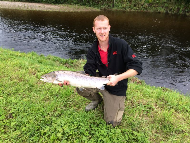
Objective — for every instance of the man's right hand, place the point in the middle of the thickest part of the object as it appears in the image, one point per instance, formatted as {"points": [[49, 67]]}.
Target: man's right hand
{"points": [[64, 83]]}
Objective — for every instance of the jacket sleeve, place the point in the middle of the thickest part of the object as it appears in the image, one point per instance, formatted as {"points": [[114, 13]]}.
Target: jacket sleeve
{"points": [[131, 60], [90, 66]]}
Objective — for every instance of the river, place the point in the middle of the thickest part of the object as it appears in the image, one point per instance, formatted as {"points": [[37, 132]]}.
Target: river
{"points": [[161, 41]]}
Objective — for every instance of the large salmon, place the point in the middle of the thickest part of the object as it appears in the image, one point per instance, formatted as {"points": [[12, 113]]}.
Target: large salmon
{"points": [[75, 79]]}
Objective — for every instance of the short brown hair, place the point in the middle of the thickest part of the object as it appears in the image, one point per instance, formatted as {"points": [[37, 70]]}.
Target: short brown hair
{"points": [[100, 18]]}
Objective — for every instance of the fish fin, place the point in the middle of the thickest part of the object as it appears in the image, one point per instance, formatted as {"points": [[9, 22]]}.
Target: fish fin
{"points": [[102, 88]]}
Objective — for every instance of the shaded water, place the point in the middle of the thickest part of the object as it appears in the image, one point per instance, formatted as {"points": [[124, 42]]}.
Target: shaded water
{"points": [[161, 41]]}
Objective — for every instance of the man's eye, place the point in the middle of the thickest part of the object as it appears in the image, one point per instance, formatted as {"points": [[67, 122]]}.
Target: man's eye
{"points": [[105, 28]]}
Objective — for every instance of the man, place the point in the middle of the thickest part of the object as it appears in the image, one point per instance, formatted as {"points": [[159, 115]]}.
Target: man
{"points": [[113, 58]]}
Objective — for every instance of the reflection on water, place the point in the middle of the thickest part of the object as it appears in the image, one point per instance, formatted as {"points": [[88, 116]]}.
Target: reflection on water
{"points": [[161, 41]]}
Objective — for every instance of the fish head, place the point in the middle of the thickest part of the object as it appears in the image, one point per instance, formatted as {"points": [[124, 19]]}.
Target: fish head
{"points": [[50, 78]]}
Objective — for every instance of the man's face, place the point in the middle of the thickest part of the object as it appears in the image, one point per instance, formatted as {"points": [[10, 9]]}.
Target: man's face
{"points": [[101, 29]]}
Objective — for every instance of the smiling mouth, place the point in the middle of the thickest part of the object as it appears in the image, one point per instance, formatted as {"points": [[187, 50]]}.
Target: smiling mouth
{"points": [[102, 35]]}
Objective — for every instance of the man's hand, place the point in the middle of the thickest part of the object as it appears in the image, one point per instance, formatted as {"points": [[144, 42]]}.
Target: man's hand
{"points": [[113, 80], [64, 83]]}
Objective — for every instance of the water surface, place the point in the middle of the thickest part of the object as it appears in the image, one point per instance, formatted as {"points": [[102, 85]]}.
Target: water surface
{"points": [[161, 41]]}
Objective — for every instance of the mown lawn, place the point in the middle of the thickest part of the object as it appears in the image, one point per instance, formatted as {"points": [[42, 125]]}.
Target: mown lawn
{"points": [[34, 111]]}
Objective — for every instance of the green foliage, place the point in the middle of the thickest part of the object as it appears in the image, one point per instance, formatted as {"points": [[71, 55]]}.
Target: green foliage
{"points": [[109, 2], [98, 1], [164, 6], [34, 111]]}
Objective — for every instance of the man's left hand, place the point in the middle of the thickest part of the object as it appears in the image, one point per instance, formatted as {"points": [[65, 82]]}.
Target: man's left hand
{"points": [[113, 80]]}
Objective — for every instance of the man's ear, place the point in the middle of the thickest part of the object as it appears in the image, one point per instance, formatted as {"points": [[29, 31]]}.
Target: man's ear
{"points": [[93, 29]]}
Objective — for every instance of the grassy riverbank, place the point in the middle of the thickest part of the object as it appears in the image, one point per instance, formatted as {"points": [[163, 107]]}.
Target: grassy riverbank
{"points": [[33, 111], [45, 7], [162, 6]]}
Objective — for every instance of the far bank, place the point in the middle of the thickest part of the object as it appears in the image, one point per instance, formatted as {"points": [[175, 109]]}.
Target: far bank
{"points": [[44, 7], [179, 8]]}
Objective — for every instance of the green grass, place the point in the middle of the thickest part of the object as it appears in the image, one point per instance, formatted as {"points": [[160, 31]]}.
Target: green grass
{"points": [[34, 111], [161, 6]]}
